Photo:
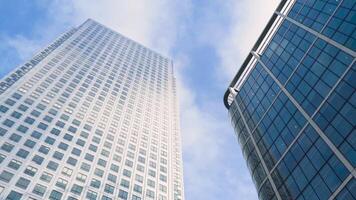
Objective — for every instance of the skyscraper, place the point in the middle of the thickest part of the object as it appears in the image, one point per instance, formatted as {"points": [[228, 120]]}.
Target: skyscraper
{"points": [[92, 116], [293, 102]]}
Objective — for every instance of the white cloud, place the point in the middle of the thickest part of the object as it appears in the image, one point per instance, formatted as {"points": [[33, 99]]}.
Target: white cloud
{"points": [[249, 17], [25, 47], [152, 23]]}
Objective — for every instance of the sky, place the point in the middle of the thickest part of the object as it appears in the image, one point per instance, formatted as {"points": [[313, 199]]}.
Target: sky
{"points": [[207, 41]]}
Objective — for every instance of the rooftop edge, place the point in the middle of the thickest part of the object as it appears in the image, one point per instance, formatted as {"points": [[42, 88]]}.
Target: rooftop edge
{"points": [[259, 41]]}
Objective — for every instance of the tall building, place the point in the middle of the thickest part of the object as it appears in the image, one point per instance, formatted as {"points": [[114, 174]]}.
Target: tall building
{"points": [[92, 116], [293, 102]]}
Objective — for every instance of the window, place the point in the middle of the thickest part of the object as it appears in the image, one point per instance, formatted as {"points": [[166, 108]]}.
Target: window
{"points": [[50, 140], [55, 131], [123, 194], [85, 167], [125, 183], [22, 153], [76, 189], [42, 126], [58, 155], [76, 151], [31, 171], [22, 183], [81, 177], [46, 177], [150, 194], [39, 190], [3, 109], [29, 120], [114, 168], [55, 195], [15, 137], [13, 195], [6, 176], [8, 123], [44, 149], [91, 195], [112, 178], [16, 114], [138, 188], [2, 158], [38, 159], [66, 171], [72, 161], [102, 162], [61, 183], [36, 134], [30, 143], [2, 131], [63, 146], [52, 165], [109, 189], [7, 147], [99, 172], [14, 164], [95, 183]]}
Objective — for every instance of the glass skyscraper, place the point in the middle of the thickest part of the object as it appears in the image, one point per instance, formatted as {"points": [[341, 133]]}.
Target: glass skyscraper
{"points": [[293, 102], [92, 116]]}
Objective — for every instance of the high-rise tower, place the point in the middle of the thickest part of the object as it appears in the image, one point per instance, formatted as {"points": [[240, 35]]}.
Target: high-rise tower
{"points": [[293, 102], [92, 116]]}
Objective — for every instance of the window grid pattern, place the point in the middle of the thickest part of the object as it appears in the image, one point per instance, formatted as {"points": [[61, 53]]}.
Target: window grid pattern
{"points": [[278, 129], [76, 126], [286, 49], [309, 170], [249, 152], [342, 25], [313, 13], [257, 95], [336, 116], [317, 74], [348, 192]]}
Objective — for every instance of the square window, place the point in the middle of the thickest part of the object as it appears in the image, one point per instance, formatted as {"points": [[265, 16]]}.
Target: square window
{"points": [[55, 195], [36, 134], [61, 183], [15, 137], [76, 189], [13, 195], [22, 153], [38, 159], [39, 190], [8, 123], [29, 120], [44, 149], [46, 177], [30, 143], [42, 126], [2, 131], [52, 166], [31, 171], [22, 183], [63, 146], [6, 176], [14, 164]]}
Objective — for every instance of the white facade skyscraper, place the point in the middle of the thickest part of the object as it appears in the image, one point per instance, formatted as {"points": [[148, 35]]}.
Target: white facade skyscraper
{"points": [[92, 116]]}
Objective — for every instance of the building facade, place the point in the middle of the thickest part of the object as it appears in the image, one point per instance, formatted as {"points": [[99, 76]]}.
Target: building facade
{"points": [[92, 116], [293, 102]]}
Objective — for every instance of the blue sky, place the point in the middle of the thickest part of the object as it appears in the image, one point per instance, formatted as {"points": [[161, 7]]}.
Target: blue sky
{"points": [[207, 40]]}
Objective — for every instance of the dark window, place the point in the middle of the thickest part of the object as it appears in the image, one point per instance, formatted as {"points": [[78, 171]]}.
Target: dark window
{"points": [[13, 195], [22, 153]]}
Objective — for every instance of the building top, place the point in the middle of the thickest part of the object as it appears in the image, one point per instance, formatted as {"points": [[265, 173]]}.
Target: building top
{"points": [[257, 48]]}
